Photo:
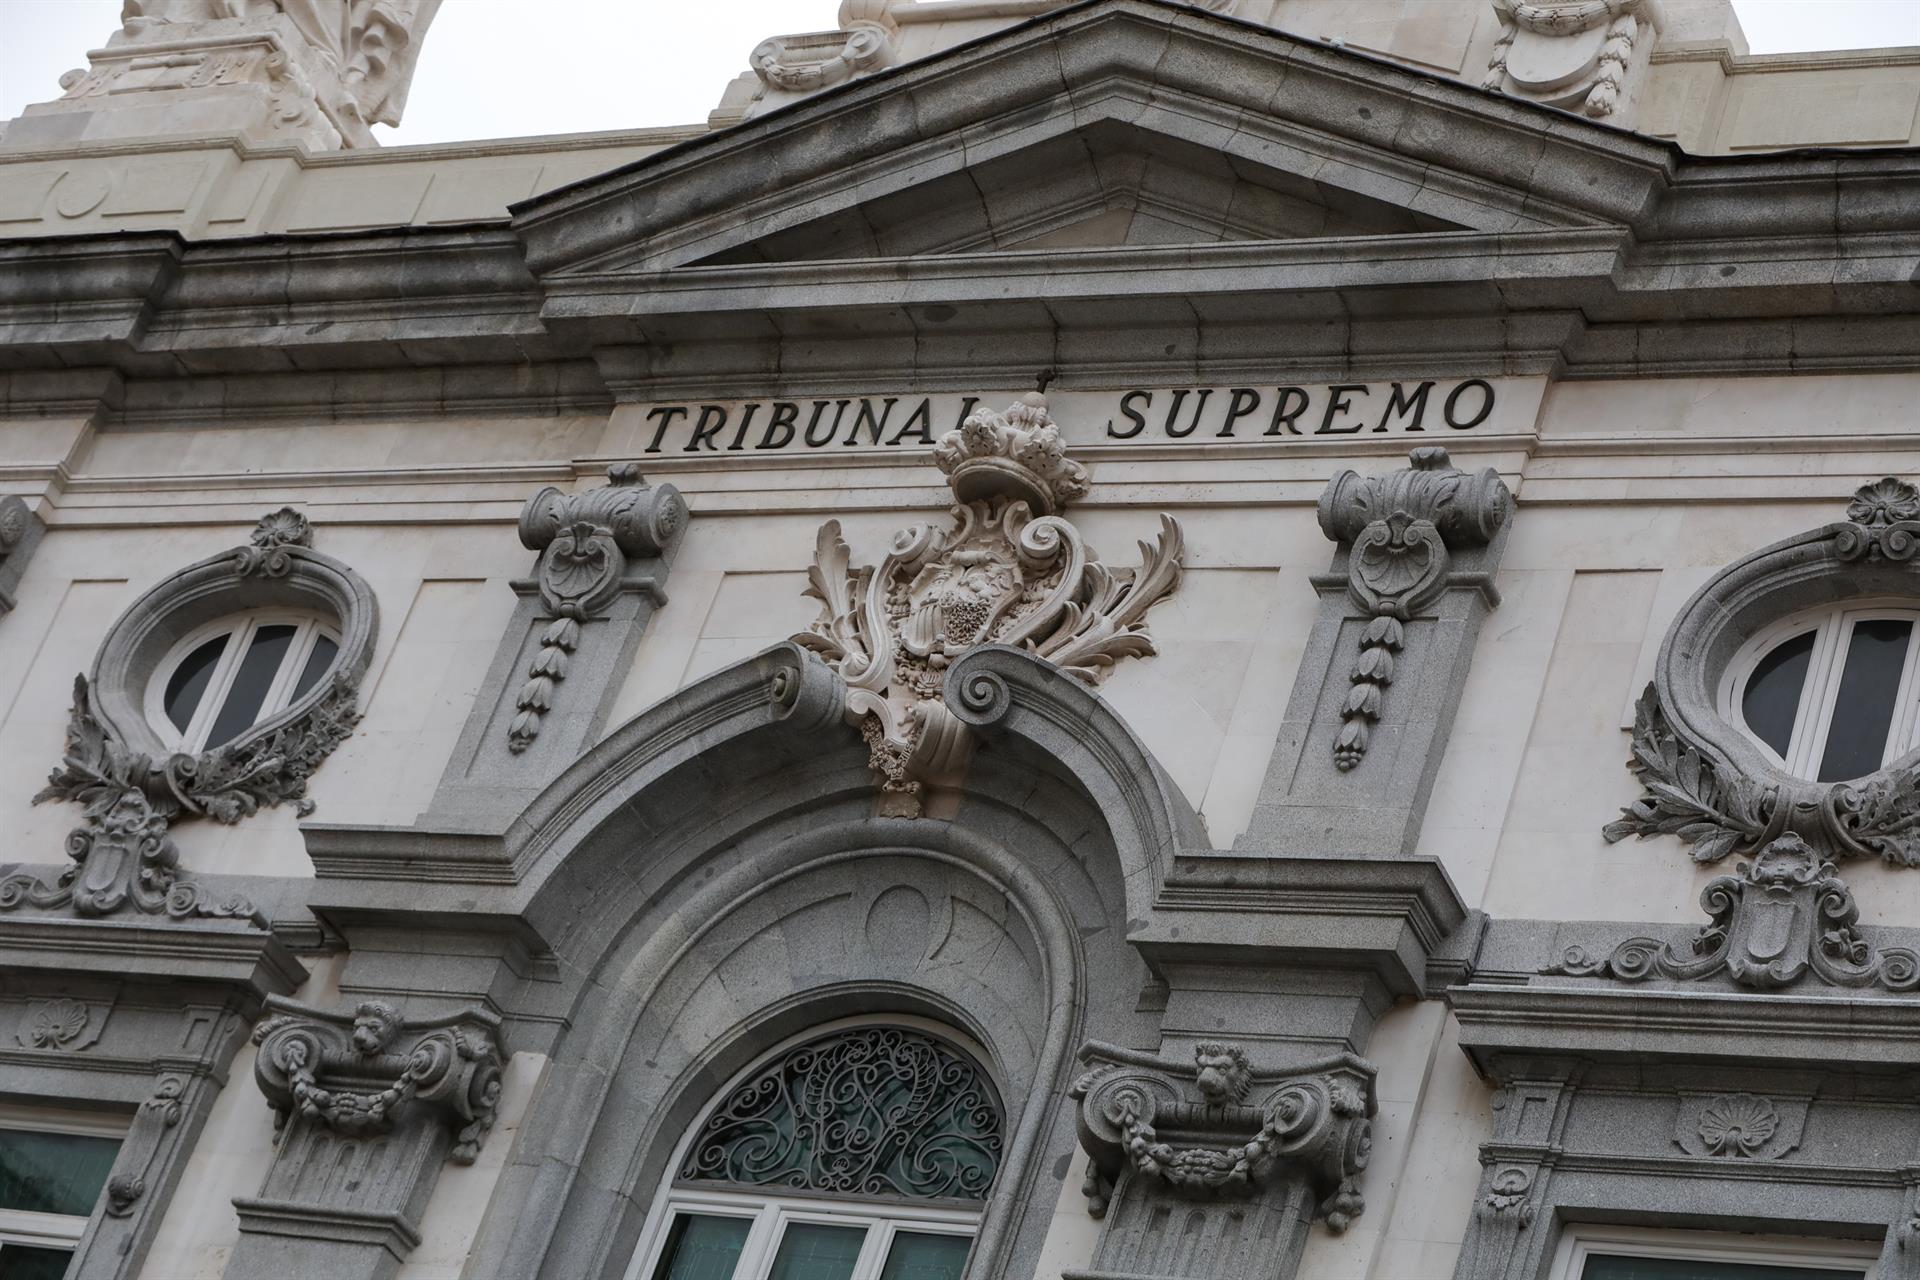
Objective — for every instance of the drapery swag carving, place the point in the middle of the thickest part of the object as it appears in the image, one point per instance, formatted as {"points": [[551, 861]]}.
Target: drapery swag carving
{"points": [[1401, 527], [123, 855], [1010, 571], [358, 1073], [1694, 792], [1243, 1131]]}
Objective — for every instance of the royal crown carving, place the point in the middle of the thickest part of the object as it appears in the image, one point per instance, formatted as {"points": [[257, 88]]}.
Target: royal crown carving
{"points": [[584, 540], [1219, 1129], [123, 853], [1782, 917], [1009, 571], [1693, 791], [1401, 529], [360, 1073]]}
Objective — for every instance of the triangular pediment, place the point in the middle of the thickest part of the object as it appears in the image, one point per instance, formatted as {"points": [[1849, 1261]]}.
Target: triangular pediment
{"points": [[1115, 124]]}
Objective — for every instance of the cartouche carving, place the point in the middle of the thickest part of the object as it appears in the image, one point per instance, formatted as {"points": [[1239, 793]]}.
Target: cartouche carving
{"points": [[1573, 53], [1009, 571]]}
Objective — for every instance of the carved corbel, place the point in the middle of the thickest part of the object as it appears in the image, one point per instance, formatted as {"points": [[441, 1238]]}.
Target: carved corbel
{"points": [[1785, 915], [123, 854], [1400, 529], [358, 1073], [584, 540], [1220, 1130], [1009, 571]]}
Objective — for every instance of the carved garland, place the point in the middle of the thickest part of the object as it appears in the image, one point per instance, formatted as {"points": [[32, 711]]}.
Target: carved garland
{"points": [[123, 853], [1717, 810], [1314, 1126], [359, 1073], [1786, 914], [1009, 571], [584, 540], [1400, 527]]}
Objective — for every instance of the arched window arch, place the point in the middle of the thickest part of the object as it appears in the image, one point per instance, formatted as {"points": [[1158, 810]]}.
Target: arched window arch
{"points": [[227, 676], [862, 1152]]}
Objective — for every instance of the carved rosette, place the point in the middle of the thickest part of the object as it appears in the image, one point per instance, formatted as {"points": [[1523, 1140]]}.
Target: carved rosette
{"points": [[584, 540], [1784, 915], [1009, 571], [1693, 792], [1219, 1129], [123, 853], [362, 1072], [1400, 529], [1566, 53]]}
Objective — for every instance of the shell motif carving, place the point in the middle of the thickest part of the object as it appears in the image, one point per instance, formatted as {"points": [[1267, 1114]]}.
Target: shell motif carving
{"points": [[55, 1024], [1738, 1125]]}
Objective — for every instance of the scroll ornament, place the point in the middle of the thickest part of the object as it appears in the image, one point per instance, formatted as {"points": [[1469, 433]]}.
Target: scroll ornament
{"points": [[1717, 810], [1242, 1134], [1401, 528], [1785, 915], [360, 1073], [157, 1114], [809, 63], [123, 853], [1573, 53], [584, 540], [1009, 571]]}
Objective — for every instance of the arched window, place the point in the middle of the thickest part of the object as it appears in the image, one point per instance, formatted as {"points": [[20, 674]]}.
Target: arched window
{"points": [[861, 1154], [226, 677], [1831, 694]]}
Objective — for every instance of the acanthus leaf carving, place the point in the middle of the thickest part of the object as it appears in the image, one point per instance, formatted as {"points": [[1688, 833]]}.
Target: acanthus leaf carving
{"points": [[1009, 571], [123, 853], [584, 540], [361, 1072], [1783, 916], [1400, 529], [1244, 1132], [1711, 806]]}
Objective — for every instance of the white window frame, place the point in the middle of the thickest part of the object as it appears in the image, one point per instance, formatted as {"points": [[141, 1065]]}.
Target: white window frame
{"points": [[771, 1212], [1580, 1241], [1833, 634], [52, 1230], [242, 627]]}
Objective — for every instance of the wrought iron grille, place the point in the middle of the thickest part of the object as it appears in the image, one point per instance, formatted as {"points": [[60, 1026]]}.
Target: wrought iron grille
{"points": [[877, 1111]]}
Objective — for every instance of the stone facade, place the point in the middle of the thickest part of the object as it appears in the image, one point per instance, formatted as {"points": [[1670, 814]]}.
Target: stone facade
{"points": [[1142, 584]]}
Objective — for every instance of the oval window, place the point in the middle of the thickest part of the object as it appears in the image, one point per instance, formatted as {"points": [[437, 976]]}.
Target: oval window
{"points": [[230, 675], [1830, 696]]}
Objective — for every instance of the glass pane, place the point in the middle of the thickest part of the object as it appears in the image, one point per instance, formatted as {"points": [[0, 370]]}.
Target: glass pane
{"points": [[917, 1255], [30, 1262], [53, 1172], [810, 1251], [878, 1111], [257, 670], [702, 1247], [1857, 739], [1772, 699], [1607, 1267], [188, 682], [317, 663]]}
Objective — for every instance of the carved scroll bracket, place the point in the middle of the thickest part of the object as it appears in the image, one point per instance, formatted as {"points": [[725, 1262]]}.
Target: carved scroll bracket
{"points": [[1401, 530], [584, 540], [360, 1073], [1009, 571], [1219, 1129], [1785, 915]]}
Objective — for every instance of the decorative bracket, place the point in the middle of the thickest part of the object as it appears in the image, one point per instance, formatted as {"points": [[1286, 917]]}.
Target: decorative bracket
{"points": [[1784, 915], [1242, 1133], [1010, 571], [1400, 528], [584, 540]]}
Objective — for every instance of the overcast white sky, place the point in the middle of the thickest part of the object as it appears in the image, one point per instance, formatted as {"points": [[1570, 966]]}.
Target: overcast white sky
{"points": [[502, 68]]}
